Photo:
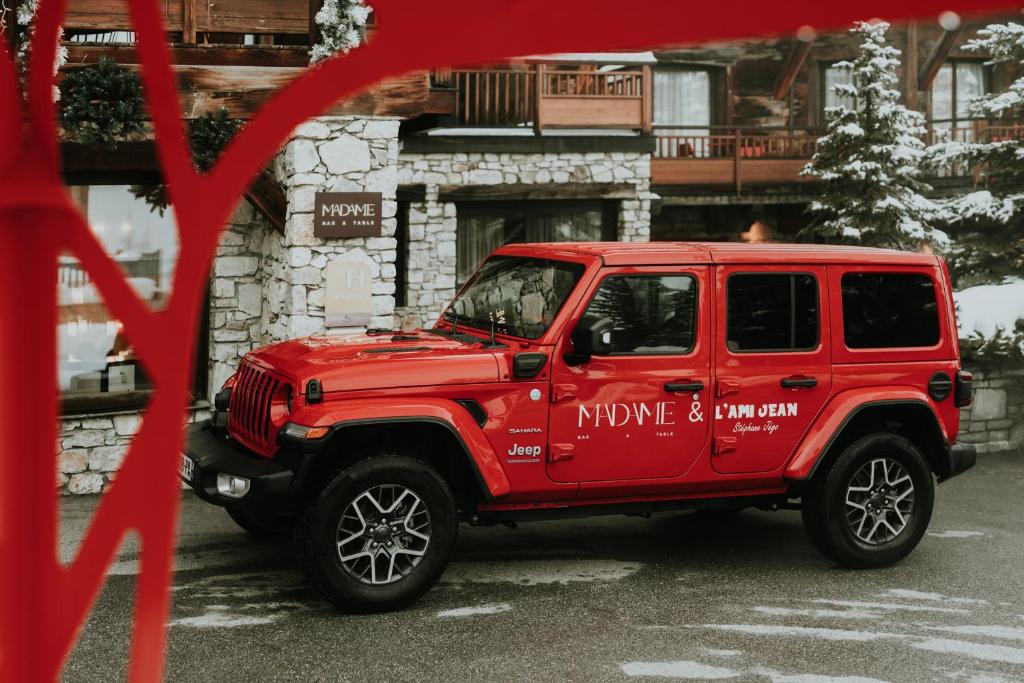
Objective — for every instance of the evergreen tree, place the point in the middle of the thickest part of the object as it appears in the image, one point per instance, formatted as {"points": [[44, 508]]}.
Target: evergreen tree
{"points": [[988, 224], [341, 24], [870, 159]]}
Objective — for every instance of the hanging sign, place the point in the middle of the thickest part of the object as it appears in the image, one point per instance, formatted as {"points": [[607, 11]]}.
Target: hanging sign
{"points": [[347, 214]]}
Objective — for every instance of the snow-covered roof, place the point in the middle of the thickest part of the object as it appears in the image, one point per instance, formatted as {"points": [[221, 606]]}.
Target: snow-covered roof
{"points": [[598, 57], [985, 308]]}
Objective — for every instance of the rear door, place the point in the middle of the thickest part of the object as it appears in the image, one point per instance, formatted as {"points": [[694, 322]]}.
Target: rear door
{"points": [[773, 364], [641, 412]]}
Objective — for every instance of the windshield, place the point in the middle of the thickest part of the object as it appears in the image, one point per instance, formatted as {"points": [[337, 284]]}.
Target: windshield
{"points": [[521, 296]]}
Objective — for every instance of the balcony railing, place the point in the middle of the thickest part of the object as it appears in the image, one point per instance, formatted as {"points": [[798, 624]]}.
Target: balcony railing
{"points": [[734, 157], [730, 156], [553, 96], [978, 130]]}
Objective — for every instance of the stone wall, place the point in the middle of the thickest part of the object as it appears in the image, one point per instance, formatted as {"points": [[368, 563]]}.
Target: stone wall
{"points": [[91, 448], [236, 294], [995, 421], [330, 154], [433, 224]]}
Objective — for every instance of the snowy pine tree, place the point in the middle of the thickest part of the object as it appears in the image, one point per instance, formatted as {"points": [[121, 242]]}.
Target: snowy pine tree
{"points": [[869, 160], [25, 17], [341, 24], [988, 224]]}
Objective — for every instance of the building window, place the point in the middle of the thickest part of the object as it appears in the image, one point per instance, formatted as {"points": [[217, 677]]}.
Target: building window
{"points": [[956, 84], [484, 227], [831, 76], [889, 310], [682, 100], [772, 312], [650, 314], [101, 37], [97, 366]]}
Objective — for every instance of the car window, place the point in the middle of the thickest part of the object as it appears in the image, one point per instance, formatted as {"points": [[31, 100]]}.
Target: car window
{"points": [[772, 312], [650, 314], [520, 296], [889, 310]]}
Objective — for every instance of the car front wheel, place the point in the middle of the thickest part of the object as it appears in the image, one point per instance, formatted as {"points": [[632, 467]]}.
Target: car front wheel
{"points": [[873, 506], [380, 534]]}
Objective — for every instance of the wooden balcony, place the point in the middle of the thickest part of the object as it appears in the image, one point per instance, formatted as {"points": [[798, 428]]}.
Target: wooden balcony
{"points": [[561, 95], [189, 17], [737, 158], [978, 130], [724, 156]]}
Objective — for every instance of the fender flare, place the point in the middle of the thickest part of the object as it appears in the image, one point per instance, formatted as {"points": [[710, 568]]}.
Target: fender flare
{"points": [[840, 412], [444, 412]]}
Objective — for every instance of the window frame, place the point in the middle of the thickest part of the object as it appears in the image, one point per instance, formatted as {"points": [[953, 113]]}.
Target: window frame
{"points": [[939, 327], [715, 107], [986, 86], [792, 273], [823, 89], [99, 403], [694, 342], [530, 209]]}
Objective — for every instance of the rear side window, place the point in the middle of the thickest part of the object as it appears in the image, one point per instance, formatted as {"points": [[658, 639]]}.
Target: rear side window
{"points": [[772, 312], [889, 310], [650, 314]]}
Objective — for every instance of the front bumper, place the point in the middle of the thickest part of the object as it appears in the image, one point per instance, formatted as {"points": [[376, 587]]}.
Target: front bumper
{"points": [[962, 457], [272, 481]]}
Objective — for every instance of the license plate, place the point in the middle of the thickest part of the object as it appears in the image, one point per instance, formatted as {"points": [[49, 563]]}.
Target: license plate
{"points": [[186, 468]]}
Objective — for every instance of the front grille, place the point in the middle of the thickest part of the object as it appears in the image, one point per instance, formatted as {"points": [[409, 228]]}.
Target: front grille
{"points": [[251, 397]]}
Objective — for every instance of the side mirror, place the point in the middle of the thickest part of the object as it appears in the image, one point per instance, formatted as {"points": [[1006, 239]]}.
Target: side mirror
{"points": [[590, 338]]}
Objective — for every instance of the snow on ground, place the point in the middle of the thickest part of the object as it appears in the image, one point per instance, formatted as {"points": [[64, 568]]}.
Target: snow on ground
{"points": [[985, 308]]}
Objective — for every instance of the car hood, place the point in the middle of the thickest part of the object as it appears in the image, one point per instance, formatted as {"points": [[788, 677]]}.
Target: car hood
{"points": [[379, 361]]}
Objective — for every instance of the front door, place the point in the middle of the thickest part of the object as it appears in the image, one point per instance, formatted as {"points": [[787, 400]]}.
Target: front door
{"points": [[643, 410], [773, 365]]}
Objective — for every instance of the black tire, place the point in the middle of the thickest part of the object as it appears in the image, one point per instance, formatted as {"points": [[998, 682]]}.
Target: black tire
{"points": [[317, 535], [827, 517], [265, 525]]}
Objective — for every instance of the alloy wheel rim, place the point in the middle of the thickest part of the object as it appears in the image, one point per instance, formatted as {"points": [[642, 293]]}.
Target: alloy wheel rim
{"points": [[383, 534], [879, 501]]}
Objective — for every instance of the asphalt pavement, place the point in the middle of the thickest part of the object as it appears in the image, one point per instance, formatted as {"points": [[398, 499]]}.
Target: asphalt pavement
{"points": [[608, 598]]}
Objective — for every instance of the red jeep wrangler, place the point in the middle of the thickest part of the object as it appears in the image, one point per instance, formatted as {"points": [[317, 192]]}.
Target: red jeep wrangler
{"points": [[569, 379]]}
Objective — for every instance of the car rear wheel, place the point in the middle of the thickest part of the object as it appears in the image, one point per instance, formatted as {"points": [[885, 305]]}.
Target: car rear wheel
{"points": [[873, 506], [380, 534]]}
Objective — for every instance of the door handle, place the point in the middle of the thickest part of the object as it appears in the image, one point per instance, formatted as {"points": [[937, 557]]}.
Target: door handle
{"points": [[683, 385], [799, 382], [727, 387]]}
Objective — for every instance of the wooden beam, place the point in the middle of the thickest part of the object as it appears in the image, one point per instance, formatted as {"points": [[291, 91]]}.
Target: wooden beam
{"points": [[129, 163], [243, 89], [314, 28], [114, 15], [527, 191], [269, 200], [647, 122], [798, 51], [196, 55], [188, 22], [940, 52], [910, 62], [136, 163]]}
